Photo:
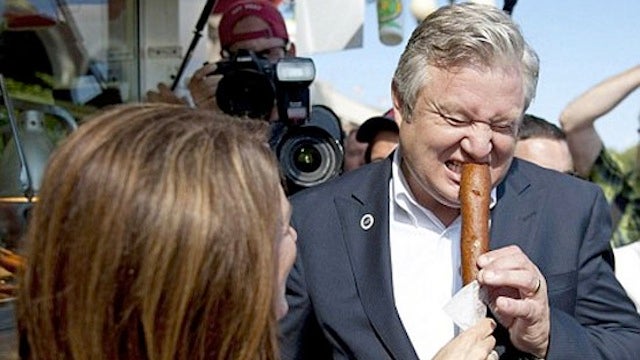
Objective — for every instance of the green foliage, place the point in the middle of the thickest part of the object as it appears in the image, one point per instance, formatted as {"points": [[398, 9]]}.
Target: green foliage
{"points": [[630, 157], [30, 92]]}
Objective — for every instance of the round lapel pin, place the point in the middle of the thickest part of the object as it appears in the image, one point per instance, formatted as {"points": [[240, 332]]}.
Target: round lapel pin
{"points": [[366, 222]]}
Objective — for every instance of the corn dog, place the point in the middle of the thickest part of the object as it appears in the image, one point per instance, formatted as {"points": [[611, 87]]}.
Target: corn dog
{"points": [[475, 188]]}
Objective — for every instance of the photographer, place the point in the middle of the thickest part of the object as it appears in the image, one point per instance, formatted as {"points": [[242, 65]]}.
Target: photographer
{"points": [[253, 25], [260, 77]]}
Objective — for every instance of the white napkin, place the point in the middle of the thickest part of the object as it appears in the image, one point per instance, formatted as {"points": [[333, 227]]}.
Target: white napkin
{"points": [[466, 307]]}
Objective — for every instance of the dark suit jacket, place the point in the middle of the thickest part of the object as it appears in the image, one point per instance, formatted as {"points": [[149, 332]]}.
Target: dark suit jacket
{"points": [[341, 296]]}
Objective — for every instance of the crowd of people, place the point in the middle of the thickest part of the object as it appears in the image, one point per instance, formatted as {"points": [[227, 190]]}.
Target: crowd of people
{"points": [[163, 229]]}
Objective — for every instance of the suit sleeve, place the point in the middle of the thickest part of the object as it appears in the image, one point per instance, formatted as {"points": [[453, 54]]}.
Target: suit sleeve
{"points": [[605, 324]]}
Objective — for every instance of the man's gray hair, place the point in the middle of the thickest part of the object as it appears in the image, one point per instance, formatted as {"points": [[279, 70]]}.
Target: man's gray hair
{"points": [[461, 35]]}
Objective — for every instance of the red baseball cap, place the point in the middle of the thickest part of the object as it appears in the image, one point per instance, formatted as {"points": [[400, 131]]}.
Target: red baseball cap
{"points": [[258, 8]]}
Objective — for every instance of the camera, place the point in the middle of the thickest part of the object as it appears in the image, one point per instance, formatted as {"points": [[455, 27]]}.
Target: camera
{"points": [[306, 140], [251, 85], [309, 153]]}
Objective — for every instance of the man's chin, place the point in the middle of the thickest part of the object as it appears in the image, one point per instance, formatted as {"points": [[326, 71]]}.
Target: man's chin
{"points": [[449, 198]]}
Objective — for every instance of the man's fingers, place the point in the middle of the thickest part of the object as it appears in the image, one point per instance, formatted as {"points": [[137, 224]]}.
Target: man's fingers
{"points": [[526, 309]]}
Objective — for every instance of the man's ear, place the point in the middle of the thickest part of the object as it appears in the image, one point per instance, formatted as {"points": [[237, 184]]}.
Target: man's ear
{"points": [[291, 50], [398, 111]]}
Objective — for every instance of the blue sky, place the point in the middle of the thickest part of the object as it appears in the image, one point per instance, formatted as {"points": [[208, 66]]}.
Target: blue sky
{"points": [[580, 42]]}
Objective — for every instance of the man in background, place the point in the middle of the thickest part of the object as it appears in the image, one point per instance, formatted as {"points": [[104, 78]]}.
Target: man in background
{"points": [[544, 144], [381, 133], [353, 151], [595, 162]]}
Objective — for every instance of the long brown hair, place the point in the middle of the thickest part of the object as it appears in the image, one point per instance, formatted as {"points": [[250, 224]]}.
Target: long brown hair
{"points": [[153, 238]]}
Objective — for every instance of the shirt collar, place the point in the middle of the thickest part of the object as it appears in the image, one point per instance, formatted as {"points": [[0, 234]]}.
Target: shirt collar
{"points": [[407, 208]]}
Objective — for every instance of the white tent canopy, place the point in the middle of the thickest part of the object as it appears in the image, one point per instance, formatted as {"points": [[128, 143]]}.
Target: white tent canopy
{"points": [[350, 112]]}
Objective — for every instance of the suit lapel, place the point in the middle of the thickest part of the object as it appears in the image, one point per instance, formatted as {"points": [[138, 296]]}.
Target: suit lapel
{"points": [[511, 221], [365, 223], [369, 252]]}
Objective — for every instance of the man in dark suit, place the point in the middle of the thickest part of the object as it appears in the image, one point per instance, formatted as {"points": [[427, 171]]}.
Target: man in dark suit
{"points": [[379, 248]]}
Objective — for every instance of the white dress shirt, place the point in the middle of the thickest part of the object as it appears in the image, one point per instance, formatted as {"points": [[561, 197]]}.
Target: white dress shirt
{"points": [[425, 263], [627, 269]]}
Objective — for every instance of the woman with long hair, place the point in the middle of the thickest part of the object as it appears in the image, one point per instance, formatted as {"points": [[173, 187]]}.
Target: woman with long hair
{"points": [[161, 232]]}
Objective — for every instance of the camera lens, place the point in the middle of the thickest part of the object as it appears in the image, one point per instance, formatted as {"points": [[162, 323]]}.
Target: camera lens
{"points": [[307, 158]]}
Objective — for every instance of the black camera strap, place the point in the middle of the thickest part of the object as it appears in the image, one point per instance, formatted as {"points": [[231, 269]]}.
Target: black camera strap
{"points": [[197, 34]]}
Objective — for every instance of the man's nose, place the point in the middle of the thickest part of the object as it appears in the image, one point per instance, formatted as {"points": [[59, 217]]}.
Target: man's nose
{"points": [[477, 143]]}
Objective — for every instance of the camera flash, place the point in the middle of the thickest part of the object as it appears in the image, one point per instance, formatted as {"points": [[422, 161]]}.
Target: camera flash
{"points": [[295, 70]]}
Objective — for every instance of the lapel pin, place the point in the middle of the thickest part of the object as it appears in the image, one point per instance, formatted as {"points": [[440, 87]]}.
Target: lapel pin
{"points": [[366, 222]]}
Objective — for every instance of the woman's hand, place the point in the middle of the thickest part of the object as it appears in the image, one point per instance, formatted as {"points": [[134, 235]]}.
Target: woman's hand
{"points": [[476, 342]]}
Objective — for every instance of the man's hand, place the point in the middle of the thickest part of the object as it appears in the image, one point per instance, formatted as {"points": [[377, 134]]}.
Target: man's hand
{"points": [[165, 95], [517, 294], [203, 87]]}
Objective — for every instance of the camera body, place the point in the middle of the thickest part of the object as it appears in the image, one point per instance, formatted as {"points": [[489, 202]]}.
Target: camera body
{"points": [[307, 143], [251, 85]]}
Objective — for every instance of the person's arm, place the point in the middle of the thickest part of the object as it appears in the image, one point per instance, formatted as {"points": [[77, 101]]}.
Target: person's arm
{"points": [[577, 119], [202, 87], [164, 94]]}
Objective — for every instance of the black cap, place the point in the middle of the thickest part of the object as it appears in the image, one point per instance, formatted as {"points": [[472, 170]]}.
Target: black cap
{"points": [[370, 128]]}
